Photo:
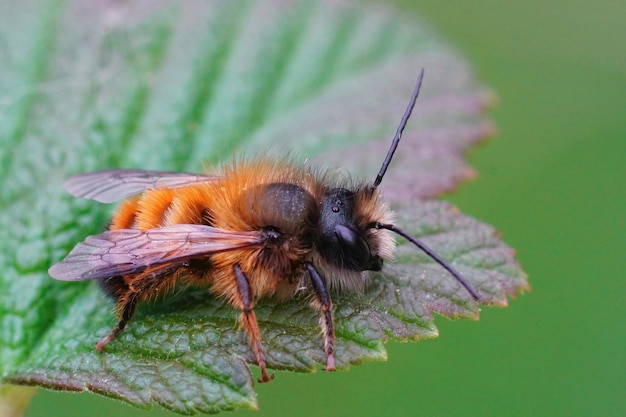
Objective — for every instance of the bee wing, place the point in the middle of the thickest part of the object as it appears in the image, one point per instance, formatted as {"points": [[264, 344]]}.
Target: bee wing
{"points": [[130, 251], [116, 184]]}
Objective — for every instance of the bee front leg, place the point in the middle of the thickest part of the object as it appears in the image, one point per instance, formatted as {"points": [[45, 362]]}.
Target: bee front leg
{"points": [[248, 320], [324, 303]]}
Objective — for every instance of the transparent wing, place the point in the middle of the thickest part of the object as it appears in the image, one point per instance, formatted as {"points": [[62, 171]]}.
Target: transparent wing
{"points": [[130, 251], [116, 184]]}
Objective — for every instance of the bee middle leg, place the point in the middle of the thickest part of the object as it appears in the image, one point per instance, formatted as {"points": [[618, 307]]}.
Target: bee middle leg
{"points": [[249, 322], [324, 303]]}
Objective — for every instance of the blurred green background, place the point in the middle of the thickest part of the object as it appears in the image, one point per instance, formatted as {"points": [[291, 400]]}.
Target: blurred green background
{"points": [[553, 182]]}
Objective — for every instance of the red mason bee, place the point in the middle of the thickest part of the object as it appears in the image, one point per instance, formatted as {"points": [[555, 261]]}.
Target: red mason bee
{"points": [[256, 229]]}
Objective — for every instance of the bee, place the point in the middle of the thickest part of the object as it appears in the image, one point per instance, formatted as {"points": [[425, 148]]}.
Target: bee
{"points": [[257, 229]]}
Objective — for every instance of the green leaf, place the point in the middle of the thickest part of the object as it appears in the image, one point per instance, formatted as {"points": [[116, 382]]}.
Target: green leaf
{"points": [[169, 86]]}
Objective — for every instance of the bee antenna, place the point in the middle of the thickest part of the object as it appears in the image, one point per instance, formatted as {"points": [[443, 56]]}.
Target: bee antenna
{"points": [[396, 138], [433, 255]]}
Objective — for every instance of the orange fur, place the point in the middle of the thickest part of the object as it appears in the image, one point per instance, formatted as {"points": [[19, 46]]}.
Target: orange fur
{"points": [[125, 216]]}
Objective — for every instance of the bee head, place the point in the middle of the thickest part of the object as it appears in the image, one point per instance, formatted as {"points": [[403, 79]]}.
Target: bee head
{"points": [[345, 238]]}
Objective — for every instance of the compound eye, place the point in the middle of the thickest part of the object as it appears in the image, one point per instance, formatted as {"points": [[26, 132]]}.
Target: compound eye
{"points": [[354, 245]]}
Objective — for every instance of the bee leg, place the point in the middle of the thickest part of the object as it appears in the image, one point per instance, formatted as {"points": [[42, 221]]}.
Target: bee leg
{"points": [[325, 304], [248, 320], [127, 296], [127, 306]]}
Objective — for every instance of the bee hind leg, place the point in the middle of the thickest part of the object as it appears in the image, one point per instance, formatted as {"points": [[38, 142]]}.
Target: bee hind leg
{"points": [[127, 296], [249, 322], [127, 306], [324, 303]]}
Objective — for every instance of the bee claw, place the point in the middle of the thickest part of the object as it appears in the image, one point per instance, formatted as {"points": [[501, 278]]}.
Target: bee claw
{"points": [[330, 363], [265, 377], [102, 343]]}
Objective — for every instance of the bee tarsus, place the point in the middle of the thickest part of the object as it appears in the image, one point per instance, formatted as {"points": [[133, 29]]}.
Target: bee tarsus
{"points": [[324, 303], [248, 320]]}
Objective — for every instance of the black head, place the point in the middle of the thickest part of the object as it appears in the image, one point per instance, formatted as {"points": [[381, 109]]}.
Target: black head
{"points": [[340, 241]]}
